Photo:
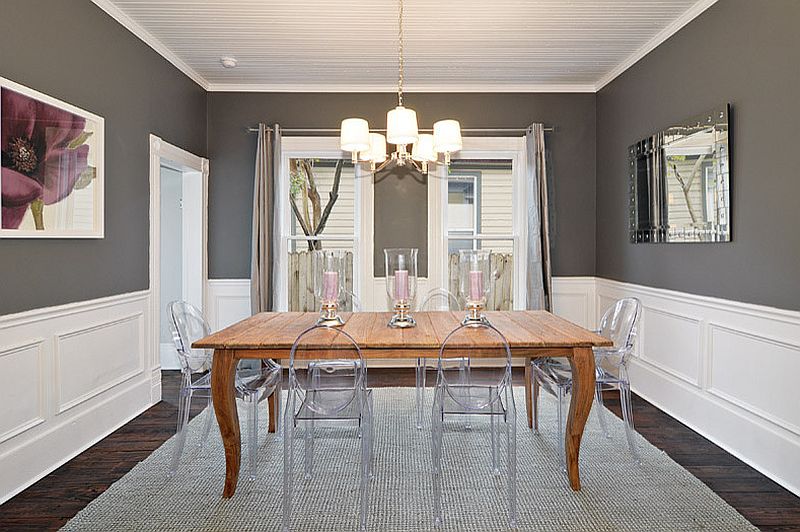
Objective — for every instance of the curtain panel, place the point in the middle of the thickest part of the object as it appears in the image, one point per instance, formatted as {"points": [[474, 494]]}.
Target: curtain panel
{"points": [[539, 285], [262, 259]]}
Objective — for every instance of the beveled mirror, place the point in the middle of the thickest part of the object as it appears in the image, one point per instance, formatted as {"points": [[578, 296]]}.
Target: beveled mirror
{"points": [[680, 182]]}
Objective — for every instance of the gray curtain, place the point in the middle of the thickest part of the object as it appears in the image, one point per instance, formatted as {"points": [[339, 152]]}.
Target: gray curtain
{"points": [[539, 282], [262, 261]]}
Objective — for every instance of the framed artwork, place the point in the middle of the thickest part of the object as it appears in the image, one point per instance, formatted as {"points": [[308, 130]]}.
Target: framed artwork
{"points": [[52, 178]]}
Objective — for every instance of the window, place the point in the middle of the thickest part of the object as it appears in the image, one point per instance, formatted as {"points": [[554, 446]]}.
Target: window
{"points": [[318, 202], [480, 205]]}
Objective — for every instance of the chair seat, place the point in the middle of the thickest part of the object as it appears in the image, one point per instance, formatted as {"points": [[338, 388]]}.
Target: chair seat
{"points": [[332, 396], [473, 399]]}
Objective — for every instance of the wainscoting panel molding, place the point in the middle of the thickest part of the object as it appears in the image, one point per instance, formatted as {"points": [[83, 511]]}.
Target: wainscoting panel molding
{"points": [[724, 368], [69, 376]]}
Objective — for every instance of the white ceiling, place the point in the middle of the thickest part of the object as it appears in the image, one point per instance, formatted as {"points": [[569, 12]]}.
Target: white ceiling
{"points": [[451, 45]]}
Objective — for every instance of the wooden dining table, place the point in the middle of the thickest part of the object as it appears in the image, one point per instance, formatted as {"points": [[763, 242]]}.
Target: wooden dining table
{"points": [[530, 334]]}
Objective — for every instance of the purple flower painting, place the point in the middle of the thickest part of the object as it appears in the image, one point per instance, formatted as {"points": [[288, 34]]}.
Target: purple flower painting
{"points": [[49, 152]]}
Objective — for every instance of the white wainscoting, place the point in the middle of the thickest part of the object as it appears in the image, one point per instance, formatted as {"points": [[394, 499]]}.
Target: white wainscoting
{"points": [[69, 376], [726, 369]]}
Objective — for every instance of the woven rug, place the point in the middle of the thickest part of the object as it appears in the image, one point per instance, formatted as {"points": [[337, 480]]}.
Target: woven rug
{"points": [[617, 494]]}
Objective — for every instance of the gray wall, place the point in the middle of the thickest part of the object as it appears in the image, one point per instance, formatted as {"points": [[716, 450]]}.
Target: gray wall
{"points": [[72, 50], [746, 53], [232, 152]]}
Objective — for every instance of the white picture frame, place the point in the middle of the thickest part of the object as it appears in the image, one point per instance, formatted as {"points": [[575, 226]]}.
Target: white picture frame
{"points": [[58, 192]]}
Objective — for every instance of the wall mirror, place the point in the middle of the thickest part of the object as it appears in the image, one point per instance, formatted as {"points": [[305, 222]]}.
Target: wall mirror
{"points": [[680, 182]]}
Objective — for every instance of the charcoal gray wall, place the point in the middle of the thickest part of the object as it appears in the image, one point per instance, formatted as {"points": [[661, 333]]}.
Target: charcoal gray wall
{"points": [[746, 53], [73, 51], [232, 153]]}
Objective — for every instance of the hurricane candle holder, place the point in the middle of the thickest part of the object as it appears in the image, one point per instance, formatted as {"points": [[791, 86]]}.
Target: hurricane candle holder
{"points": [[475, 274], [329, 273], [401, 284]]}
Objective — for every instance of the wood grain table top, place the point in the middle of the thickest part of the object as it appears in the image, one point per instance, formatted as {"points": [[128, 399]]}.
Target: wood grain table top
{"points": [[525, 330]]}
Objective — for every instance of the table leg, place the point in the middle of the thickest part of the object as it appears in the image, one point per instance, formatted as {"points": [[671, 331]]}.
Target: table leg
{"points": [[271, 408], [528, 395], [223, 374], [583, 379]]}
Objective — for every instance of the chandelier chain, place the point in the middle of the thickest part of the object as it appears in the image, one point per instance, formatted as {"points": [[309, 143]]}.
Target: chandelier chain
{"points": [[400, 61]]}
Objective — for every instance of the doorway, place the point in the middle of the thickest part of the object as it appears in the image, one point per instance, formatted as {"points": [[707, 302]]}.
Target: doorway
{"points": [[178, 240]]}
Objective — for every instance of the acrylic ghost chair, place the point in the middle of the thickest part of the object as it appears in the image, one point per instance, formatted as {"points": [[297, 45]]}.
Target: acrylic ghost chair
{"points": [[555, 375], [436, 299], [252, 384], [488, 392], [332, 387]]}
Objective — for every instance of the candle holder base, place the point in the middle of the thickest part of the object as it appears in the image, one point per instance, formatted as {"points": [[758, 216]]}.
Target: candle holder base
{"points": [[402, 319], [329, 316], [474, 315]]}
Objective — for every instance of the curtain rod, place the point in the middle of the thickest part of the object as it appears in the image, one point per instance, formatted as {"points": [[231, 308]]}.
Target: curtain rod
{"points": [[547, 129]]}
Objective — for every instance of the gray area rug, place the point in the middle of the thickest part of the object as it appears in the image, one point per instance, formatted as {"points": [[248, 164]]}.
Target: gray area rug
{"points": [[617, 494]]}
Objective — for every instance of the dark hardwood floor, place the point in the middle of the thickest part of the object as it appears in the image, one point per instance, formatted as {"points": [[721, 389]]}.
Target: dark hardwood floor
{"points": [[56, 498]]}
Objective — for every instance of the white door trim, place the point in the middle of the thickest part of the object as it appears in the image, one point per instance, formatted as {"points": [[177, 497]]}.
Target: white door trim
{"points": [[178, 158]]}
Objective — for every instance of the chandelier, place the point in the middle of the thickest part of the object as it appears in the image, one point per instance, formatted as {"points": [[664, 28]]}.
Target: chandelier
{"points": [[402, 131]]}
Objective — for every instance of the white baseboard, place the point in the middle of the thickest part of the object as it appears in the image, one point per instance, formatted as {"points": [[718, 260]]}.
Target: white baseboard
{"points": [[69, 376]]}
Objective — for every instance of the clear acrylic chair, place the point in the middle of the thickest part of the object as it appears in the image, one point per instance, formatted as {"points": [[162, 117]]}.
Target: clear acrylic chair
{"points": [[436, 299], [327, 381], [555, 375], [486, 392], [252, 384]]}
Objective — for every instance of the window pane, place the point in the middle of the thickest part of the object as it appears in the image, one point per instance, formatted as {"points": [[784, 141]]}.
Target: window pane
{"points": [[481, 191], [501, 295], [310, 186], [301, 274]]}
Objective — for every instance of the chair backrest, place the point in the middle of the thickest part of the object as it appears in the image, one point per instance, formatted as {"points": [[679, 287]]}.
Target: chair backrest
{"points": [[439, 299], [331, 369], [188, 325], [352, 302], [619, 322], [470, 341]]}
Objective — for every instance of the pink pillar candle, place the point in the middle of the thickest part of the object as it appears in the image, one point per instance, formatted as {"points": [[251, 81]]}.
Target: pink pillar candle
{"points": [[330, 286], [401, 284], [475, 285]]}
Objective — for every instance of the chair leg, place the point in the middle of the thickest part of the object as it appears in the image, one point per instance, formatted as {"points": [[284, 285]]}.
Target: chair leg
{"points": [[627, 415], [600, 407], [207, 423], [436, 455], [366, 448], [535, 402], [184, 404], [288, 460], [561, 454], [252, 436], [309, 448], [277, 413], [420, 390], [466, 377], [511, 446], [495, 469]]}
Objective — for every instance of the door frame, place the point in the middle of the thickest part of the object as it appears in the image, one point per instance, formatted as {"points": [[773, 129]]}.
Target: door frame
{"points": [[180, 159]]}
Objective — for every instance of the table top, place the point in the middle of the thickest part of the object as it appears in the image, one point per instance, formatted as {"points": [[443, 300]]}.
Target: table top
{"points": [[525, 330]]}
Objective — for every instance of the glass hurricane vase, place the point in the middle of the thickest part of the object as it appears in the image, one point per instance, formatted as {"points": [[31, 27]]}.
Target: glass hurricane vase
{"points": [[329, 273], [401, 284], [474, 281]]}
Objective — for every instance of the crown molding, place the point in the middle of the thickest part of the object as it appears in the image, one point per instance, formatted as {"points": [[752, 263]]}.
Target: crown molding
{"points": [[388, 88], [687, 16], [148, 38]]}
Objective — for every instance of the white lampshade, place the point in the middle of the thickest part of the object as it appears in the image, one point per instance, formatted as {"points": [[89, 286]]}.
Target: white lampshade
{"points": [[401, 126], [423, 149], [354, 135], [377, 148], [447, 136]]}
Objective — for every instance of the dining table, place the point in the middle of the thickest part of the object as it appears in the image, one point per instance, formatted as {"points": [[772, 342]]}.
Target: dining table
{"points": [[530, 334]]}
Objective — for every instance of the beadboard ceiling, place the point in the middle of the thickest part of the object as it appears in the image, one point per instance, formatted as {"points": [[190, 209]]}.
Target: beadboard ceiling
{"points": [[451, 45]]}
